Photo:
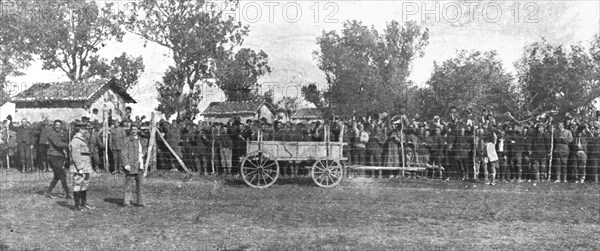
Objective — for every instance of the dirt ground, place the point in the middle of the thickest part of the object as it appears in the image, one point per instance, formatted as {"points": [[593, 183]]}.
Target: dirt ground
{"points": [[222, 213]]}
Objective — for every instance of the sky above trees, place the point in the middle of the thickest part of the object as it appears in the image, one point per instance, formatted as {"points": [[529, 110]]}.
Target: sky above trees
{"points": [[290, 41]]}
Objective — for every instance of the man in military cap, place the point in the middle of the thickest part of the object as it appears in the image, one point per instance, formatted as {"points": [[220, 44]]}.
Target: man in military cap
{"points": [[81, 165], [133, 150], [57, 156]]}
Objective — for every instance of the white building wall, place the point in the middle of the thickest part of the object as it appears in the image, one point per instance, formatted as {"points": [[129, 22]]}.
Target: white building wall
{"points": [[109, 100], [7, 109]]}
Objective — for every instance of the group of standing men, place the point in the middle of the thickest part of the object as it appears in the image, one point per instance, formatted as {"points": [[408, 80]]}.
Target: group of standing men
{"points": [[78, 154]]}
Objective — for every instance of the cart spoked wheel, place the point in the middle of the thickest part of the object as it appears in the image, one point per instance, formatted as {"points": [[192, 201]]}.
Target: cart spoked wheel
{"points": [[327, 172], [259, 169]]}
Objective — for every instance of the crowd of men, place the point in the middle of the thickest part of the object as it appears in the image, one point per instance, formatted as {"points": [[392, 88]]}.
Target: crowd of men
{"points": [[467, 147]]}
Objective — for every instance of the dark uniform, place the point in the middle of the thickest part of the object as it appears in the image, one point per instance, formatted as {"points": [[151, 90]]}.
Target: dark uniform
{"points": [[461, 144], [593, 163], [225, 148], [45, 130], [187, 138], [25, 138], [502, 151], [562, 139], [132, 157], [540, 149], [117, 135], [579, 151], [57, 148], [518, 160]]}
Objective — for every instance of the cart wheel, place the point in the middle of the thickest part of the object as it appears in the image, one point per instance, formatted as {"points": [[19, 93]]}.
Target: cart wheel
{"points": [[259, 169], [327, 172]]}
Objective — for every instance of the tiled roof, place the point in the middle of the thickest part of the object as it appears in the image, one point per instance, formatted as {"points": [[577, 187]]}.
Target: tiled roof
{"points": [[308, 113], [70, 91], [232, 108]]}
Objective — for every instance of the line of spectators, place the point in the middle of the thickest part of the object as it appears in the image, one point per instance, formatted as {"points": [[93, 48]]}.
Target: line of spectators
{"points": [[467, 147]]}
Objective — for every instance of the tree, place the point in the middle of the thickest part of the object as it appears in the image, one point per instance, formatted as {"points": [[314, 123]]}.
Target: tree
{"points": [[553, 78], [126, 69], [18, 41], [312, 94], [169, 96], [470, 80], [73, 32], [238, 76], [289, 104], [367, 72], [196, 34]]}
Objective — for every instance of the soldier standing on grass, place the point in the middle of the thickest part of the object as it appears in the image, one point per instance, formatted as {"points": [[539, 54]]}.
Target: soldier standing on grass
{"points": [[81, 165], [25, 139], [133, 150], [562, 139], [580, 148], [594, 153], [539, 151], [45, 130], [57, 156]]}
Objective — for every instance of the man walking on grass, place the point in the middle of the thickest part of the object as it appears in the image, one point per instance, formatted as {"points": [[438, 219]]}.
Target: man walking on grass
{"points": [[57, 156]]}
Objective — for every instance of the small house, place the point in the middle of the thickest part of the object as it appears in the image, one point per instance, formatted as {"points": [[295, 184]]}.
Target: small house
{"points": [[307, 115], [221, 112], [68, 101]]}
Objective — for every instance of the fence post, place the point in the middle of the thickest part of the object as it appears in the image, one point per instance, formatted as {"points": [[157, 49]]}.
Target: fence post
{"points": [[151, 145], [105, 138], [402, 148], [154, 160], [174, 153], [8, 147], [212, 150]]}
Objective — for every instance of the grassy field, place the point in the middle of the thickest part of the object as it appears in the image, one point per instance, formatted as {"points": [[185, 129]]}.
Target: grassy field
{"points": [[216, 213]]}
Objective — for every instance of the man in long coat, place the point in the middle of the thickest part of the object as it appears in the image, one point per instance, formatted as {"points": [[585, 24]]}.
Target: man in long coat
{"points": [[133, 150], [81, 165]]}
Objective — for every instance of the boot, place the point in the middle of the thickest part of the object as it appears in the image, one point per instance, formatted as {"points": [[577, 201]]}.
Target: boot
{"points": [[565, 178], [127, 199], [84, 200], [77, 199]]}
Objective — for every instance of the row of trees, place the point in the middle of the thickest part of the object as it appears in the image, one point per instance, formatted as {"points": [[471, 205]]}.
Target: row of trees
{"points": [[367, 73], [67, 36]]}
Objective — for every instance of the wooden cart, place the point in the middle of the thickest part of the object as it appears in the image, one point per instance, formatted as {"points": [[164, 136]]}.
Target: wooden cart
{"points": [[260, 166]]}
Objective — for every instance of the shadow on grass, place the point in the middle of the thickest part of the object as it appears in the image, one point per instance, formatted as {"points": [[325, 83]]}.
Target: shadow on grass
{"points": [[299, 181], [116, 201], [66, 204]]}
